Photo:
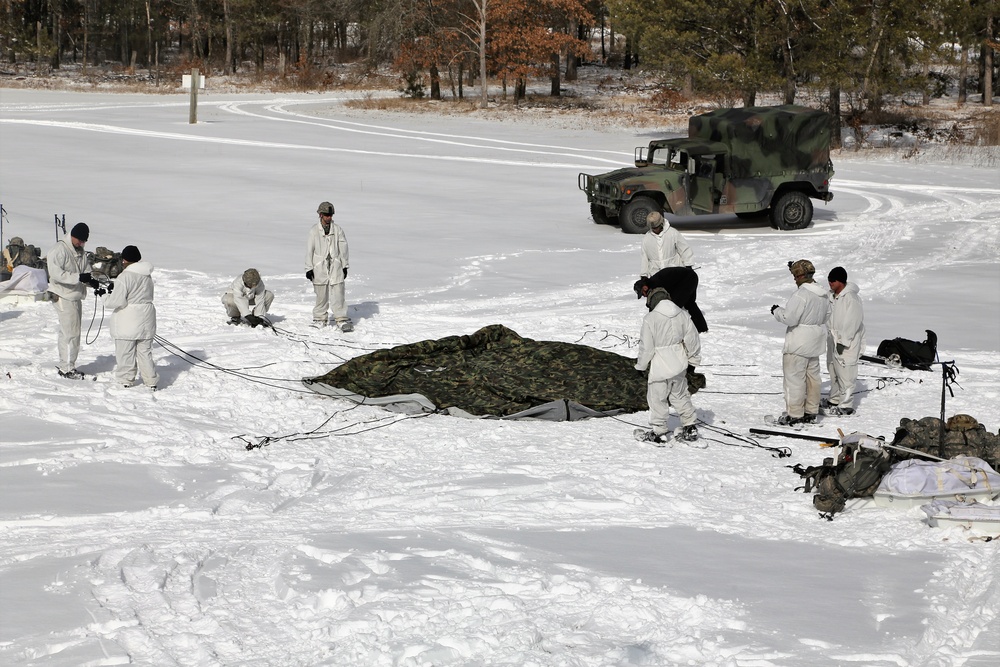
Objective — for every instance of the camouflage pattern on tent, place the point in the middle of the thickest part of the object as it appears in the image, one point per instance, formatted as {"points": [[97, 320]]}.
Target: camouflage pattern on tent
{"points": [[491, 373]]}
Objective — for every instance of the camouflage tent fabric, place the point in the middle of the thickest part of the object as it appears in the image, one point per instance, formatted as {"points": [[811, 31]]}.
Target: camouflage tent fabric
{"points": [[492, 373]]}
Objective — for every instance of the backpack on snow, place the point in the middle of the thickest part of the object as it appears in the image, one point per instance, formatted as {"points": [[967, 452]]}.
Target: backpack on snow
{"points": [[105, 262], [911, 354], [856, 473], [18, 253]]}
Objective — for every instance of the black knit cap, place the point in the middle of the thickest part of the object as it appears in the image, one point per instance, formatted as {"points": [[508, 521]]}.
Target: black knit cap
{"points": [[131, 254], [80, 231], [838, 275]]}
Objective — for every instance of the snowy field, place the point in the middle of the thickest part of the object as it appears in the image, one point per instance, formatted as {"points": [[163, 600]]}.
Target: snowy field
{"points": [[138, 528]]}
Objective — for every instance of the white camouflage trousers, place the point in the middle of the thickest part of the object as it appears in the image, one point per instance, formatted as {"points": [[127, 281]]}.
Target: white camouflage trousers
{"points": [[663, 395], [70, 314], [132, 355], [843, 378], [802, 383], [259, 309], [330, 298]]}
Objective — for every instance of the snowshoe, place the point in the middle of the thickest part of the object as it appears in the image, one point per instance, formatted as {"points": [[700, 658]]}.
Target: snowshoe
{"points": [[75, 375], [784, 420], [658, 439], [837, 411], [689, 436], [346, 327]]}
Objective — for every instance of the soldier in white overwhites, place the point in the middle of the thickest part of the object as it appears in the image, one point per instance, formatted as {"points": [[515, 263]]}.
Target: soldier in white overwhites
{"points": [[670, 347], [845, 343], [663, 246], [247, 300], [133, 322], [69, 277], [326, 268], [805, 315]]}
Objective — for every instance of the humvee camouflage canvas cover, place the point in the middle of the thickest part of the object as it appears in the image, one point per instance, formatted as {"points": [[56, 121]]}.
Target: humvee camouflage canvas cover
{"points": [[739, 161], [491, 373], [767, 141]]}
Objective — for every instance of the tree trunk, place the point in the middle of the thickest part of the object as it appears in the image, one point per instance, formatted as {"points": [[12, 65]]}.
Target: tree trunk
{"points": [[228, 67], [86, 32], [834, 109], [988, 64], [573, 60], [57, 34], [789, 67], [435, 83], [481, 6], [963, 76], [925, 72], [554, 90]]}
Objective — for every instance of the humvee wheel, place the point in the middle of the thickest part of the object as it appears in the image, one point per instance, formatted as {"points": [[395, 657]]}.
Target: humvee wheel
{"points": [[633, 215], [600, 215], [793, 210]]}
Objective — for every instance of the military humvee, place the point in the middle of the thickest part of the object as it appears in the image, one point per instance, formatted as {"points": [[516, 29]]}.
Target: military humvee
{"points": [[743, 161]]}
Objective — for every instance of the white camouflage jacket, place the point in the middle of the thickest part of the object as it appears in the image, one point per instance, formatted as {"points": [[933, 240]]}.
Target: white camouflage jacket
{"points": [[805, 315], [326, 254], [134, 316], [668, 248], [66, 263], [667, 331]]}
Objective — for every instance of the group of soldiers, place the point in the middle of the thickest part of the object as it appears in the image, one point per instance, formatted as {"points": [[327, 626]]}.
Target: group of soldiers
{"points": [[130, 297], [817, 320], [669, 351]]}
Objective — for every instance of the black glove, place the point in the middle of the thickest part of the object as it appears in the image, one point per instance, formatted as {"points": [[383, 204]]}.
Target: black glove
{"points": [[94, 282], [840, 348], [111, 287], [85, 278], [252, 320], [690, 369], [309, 275], [345, 272], [774, 308], [100, 291]]}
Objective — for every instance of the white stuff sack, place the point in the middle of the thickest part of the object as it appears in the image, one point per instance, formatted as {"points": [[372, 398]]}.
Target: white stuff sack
{"points": [[914, 477]]}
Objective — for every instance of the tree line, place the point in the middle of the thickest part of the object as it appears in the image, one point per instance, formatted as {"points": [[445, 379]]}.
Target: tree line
{"points": [[858, 53]]}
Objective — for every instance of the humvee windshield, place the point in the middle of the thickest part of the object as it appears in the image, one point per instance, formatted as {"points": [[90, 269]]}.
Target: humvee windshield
{"points": [[669, 157]]}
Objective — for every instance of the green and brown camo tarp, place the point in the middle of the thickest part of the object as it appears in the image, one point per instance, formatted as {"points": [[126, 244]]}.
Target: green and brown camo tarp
{"points": [[491, 373]]}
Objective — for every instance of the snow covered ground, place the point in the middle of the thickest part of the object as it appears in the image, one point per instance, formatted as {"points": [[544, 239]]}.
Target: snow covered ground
{"points": [[137, 527]]}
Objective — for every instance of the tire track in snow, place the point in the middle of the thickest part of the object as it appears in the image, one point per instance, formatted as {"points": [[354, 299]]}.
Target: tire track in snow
{"points": [[177, 136], [422, 135]]}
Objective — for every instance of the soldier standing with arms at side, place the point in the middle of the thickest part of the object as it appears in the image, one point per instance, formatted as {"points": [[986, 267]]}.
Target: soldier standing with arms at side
{"points": [[326, 268], [845, 344], [69, 276], [805, 315], [663, 246]]}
